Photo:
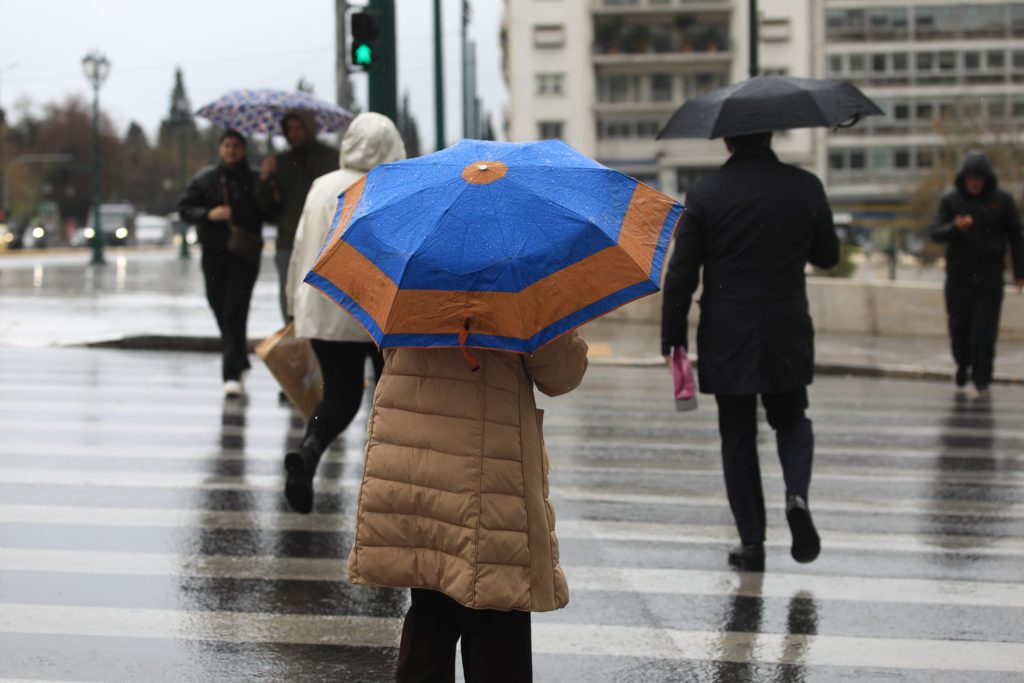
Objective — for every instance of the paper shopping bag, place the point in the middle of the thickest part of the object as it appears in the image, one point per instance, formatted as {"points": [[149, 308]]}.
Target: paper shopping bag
{"points": [[293, 364]]}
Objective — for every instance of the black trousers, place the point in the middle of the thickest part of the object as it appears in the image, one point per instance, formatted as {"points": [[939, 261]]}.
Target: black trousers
{"points": [[794, 437], [341, 364], [229, 285], [495, 645], [974, 309]]}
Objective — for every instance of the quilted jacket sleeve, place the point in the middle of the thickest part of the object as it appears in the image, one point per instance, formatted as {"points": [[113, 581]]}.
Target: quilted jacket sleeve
{"points": [[558, 367]]}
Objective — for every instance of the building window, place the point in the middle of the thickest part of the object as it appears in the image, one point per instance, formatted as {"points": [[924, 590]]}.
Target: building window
{"points": [[836, 161], [549, 130], [647, 129], [996, 59], [901, 158], [835, 65], [661, 87], [548, 36], [550, 84], [858, 160]]}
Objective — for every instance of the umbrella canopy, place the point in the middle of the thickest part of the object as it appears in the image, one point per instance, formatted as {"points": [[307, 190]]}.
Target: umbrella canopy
{"points": [[767, 103], [492, 245], [260, 111]]}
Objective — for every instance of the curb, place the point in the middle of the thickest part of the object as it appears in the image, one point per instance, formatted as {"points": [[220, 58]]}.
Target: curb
{"points": [[155, 342]]}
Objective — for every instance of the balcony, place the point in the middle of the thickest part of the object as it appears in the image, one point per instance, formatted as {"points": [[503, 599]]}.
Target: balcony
{"points": [[680, 36]]}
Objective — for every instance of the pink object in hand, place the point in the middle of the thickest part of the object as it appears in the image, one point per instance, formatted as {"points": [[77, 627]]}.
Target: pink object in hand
{"points": [[682, 379]]}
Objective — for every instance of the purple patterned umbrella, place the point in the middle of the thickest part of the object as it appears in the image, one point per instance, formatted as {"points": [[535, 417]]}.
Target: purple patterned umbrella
{"points": [[260, 111]]}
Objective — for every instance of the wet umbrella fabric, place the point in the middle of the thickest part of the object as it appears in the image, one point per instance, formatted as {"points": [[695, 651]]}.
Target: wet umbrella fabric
{"points": [[492, 245], [260, 111], [768, 103]]}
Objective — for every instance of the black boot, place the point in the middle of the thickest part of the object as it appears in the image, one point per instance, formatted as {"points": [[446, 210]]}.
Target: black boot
{"points": [[301, 466], [747, 557]]}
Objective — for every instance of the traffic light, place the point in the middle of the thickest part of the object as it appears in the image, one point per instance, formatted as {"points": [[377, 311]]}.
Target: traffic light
{"points": [[363, 26]]}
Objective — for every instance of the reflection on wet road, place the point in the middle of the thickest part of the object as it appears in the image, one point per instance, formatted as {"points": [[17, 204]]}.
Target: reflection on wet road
{"points": [[143, 536]]}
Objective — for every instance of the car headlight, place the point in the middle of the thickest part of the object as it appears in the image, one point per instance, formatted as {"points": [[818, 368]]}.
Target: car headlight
{"points": [[121, 233], [38, 233], [89, 233], [8, 237]]}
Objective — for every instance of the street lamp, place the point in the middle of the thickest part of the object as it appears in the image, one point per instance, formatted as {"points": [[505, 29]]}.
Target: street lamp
{"points": [[96, 67]]}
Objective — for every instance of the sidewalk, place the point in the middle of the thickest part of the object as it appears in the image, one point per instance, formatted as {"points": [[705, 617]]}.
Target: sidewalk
{"points": [[154, 300]]}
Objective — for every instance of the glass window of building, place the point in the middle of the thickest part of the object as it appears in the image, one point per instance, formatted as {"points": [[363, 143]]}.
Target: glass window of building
{"points": [[900, 62], [1017, 108], [932, 23], [1018, 59], [548, 130], [984, 21], [924, 111], [947, 61], [858, 160], [925, 61], [1017, 19], [996, 59], [647, 129], [901, 158], [835, 65], [887, 23], [548, 36], [972, 60], [550, 84], [996, 108], [879, 63], [845, 24], [881, 158], [856, 64], [901, 111], [661, 87], [836, 161]]}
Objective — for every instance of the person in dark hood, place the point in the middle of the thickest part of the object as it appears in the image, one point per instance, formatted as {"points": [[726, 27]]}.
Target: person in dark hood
{"points": [[222, 198], [292, 173], [752, 227], [976, 220]]}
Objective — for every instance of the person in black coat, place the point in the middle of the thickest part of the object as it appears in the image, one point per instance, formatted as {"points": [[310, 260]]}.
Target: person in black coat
{"points": [[975, 220], [752, 227], [219, 199]]}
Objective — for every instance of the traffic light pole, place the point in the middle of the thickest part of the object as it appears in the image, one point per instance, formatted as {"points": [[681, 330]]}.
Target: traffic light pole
{"points": [[383, 77]]}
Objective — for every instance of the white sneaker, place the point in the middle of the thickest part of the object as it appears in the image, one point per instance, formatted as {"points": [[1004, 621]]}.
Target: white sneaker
{"points": [[232, 388]]}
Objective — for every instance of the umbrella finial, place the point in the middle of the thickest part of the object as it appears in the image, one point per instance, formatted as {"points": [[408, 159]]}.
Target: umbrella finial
{"points": [[484, 172]]}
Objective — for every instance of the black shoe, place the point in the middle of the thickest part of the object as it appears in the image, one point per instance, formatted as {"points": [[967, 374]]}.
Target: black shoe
{"points": [[747, 557], [806, 542], [298, 488], [961, 377]]}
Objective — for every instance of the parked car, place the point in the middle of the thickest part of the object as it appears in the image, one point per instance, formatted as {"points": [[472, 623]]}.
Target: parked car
{"points": [[153, 230], [117, 226], [6, 237]]}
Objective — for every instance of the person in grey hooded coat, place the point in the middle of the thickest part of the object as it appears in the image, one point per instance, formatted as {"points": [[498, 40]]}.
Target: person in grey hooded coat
{"points": [[976, 220]]}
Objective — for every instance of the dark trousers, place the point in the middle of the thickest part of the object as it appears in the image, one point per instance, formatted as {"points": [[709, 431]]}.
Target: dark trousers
{"points": [[794, 437], [229, 284], [495, 645], [974, 309], [341, 364]]}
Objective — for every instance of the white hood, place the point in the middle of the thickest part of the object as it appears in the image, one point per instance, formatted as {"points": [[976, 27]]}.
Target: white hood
{"points": [[371, 139]]}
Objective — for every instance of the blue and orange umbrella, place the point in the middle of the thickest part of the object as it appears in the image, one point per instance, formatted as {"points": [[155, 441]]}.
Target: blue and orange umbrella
{"points": [[492, 245]]}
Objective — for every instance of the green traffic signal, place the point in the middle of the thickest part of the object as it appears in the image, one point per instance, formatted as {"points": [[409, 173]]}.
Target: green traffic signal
{"points": [[364, 55]]}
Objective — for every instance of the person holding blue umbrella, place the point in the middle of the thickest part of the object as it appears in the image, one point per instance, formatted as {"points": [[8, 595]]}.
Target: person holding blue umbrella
{"points": [[472, 269]]}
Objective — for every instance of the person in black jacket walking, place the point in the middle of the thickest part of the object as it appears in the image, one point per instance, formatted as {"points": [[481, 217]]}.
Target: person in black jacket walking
{"points": [[220, 199], [976, 219], [753, 226]]}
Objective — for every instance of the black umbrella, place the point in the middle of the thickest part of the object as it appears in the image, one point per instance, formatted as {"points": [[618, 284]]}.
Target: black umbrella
{"points": [[767, 103]]}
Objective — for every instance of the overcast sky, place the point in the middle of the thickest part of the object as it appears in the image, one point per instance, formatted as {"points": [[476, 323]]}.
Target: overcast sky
{"points": [[225, 44]]}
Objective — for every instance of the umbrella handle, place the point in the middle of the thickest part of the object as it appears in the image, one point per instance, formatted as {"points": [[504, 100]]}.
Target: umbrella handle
{"points": [[847, 124], [471, 360]]}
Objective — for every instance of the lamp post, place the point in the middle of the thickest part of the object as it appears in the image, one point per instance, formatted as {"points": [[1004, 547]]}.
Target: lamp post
{"points": [[96, 67]]}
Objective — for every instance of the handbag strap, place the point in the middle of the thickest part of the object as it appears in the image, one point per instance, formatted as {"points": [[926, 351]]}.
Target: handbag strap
{"points": [[227, 199]]}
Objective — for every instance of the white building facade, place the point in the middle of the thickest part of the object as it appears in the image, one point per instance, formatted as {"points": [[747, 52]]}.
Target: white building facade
{"points": [[606, 75], [940, 69]]}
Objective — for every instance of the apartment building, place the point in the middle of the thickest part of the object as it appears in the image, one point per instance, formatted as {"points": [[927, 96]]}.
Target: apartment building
{"points": [[942, 70], [605, 75]]}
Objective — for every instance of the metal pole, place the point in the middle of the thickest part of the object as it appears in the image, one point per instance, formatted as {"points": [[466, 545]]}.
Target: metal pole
{"points": [[383, 74], [4, 197], [439, 136], [97, 226], [466, 133], [341, 85], [755, 66]]}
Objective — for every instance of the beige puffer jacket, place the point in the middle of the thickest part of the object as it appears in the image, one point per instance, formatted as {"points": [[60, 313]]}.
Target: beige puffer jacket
{"points": [[371, 139], [455, 488]]}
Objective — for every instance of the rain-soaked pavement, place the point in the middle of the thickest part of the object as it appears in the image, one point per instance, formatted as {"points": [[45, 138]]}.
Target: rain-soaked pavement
{"points": [[144, 537]]}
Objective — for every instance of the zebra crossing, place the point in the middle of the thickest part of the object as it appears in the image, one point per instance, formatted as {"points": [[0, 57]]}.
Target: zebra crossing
{"points": [[143, 535]]}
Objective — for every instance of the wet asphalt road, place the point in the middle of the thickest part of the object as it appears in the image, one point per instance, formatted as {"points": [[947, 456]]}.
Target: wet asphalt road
{"points": [[143, 536]]}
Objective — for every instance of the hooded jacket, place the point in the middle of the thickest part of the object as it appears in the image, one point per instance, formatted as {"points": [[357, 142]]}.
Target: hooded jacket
{"points": [[371, 139], [979, 252], [454, 496], [296, 170]]}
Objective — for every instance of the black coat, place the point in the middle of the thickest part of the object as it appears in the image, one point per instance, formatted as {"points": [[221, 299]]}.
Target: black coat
{"points": [[296, 170], [978, 253], [752, 226], [250, 200]]}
